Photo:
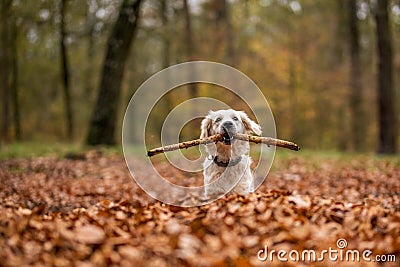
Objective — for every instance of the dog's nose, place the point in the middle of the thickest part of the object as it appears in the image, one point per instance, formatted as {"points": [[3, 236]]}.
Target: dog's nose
{"points": [[227, 124]]}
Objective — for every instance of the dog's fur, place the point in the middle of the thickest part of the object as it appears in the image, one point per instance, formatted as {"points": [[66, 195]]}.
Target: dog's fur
{"points": [[223, 179]]}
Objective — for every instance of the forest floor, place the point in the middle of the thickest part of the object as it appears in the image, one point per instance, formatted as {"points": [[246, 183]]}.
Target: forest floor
{"points": [[85, 210]]}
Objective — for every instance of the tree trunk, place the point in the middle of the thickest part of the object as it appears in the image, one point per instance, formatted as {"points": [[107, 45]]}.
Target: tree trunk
{"points": [[338, 57], [65, 73], [356, 92], [224, 25], [190, 46], [165, 37], [104, 117], [14, 83], [341, 31], [293, 97], [386, 94], [5, 69], [90, 23], [166, 48]]}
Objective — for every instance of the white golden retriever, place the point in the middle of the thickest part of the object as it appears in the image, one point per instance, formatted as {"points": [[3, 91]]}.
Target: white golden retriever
{"points": [[227, 168]]}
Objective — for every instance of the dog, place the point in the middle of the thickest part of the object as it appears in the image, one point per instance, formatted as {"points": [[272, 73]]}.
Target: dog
{"points": [[227, 167]]}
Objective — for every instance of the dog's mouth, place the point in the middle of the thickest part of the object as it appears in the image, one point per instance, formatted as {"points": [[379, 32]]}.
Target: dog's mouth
{"points": [[227, 138]]}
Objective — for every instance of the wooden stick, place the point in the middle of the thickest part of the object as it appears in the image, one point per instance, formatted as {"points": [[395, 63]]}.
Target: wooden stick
{"points": [[218, 137], [202, 141], [268, 141]]}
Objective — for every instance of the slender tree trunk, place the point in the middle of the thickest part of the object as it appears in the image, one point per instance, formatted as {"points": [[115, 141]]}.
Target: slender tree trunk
{"points": [[294, 48], [166, 47], [246, 10], [90, 23], [386, 94], [65, 73], [341, 31], [14, 84], [293, 97], [230, 50], [190, 46], [5, 69], [165, 38], [338, 58], [356, 92], [104, 117], [224, 25]]}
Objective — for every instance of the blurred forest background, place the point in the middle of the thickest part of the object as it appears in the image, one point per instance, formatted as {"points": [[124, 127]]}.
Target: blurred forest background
{"points": [[329, 68]]}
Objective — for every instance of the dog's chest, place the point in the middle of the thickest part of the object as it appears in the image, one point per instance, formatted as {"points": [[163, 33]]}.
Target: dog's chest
{"points": [[212, 171]]}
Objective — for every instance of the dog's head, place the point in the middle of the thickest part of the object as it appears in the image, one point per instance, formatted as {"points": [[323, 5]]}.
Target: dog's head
{"points": [[228, 122]]}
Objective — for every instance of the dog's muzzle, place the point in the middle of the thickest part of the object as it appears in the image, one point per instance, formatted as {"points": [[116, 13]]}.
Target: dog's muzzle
{"points": [[228, 130]]}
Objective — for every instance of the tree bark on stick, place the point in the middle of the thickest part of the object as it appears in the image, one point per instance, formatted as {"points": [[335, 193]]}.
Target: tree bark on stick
{"points": [[218, 137], [386, 94], [202, 141], [268, 141], [104, 117], [65, 73]]}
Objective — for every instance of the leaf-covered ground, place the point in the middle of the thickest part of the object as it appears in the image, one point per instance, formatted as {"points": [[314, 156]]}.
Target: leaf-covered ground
{"points": [[86, 211]]}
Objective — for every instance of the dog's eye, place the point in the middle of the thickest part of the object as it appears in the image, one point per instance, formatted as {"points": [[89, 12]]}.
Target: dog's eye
{"points": [[235, 118], [218, 120]]}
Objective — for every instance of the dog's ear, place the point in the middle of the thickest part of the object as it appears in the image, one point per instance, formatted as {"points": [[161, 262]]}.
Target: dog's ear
{"points": [[206, 126], [250, 125]]}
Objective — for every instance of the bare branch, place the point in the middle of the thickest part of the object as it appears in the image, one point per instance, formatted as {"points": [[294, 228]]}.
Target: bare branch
{"points": [[218, 137], [268, 141]]}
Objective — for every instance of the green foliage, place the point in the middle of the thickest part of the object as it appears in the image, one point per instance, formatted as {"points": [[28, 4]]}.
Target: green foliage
{"points": [[55, 149], [36, 149]]}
